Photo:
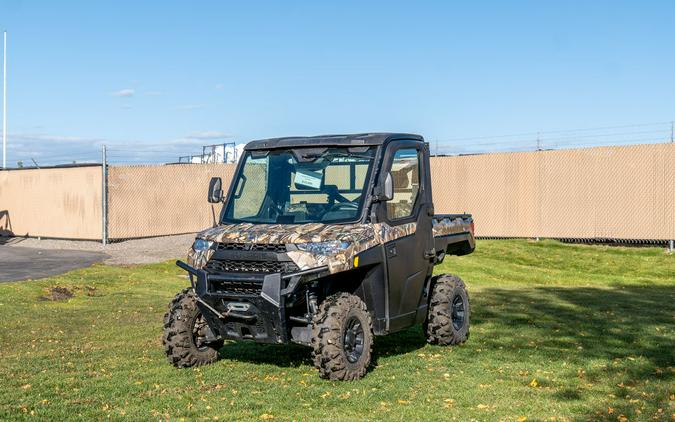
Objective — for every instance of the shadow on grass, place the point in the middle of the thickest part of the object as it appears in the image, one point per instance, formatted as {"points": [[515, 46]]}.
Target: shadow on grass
{"points": [[283, 355], [294, 355], [629, 328]]}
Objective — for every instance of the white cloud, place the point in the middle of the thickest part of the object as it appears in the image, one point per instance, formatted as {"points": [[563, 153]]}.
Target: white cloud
{"points": [[40, 137], [50, 149], [126, 92], [209, 134]]}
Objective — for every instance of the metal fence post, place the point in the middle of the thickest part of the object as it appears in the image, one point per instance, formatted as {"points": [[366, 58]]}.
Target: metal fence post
{"points": [[539, 187], [671, 246], [104, 197]]}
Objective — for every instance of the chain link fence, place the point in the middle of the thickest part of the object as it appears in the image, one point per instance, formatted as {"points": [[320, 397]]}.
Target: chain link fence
{"points": [[145, 201], [612, 193], [621, 193]]}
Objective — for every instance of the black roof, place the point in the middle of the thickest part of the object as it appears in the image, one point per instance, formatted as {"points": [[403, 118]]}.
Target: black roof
{"points": [[330, 140]]}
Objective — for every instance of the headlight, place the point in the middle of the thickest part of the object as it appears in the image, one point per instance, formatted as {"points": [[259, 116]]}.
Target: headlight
{"points": [[202, 245], [323, 248]]}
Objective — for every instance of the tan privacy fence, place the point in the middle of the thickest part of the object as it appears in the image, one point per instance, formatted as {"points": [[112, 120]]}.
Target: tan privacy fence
{"points": [[160, 200], [602, 193], [592, 193], [55, 202]]}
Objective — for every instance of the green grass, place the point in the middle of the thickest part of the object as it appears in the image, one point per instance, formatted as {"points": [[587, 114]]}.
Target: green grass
{"points": [[559, 332]]}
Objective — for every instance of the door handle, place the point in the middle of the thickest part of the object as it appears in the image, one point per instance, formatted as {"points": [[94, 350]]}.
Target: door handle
{"points": [[431, 253], [391, 251]]}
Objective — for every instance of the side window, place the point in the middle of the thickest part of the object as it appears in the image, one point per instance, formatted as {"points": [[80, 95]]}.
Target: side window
{"points": [[250, 191], [405, 174]]}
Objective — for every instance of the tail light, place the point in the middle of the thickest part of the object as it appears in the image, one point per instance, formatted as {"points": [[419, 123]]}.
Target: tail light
{"points": [[472, 228]]}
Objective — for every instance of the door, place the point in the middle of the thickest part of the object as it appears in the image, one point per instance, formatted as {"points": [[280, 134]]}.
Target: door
{"points": [[407, 263]]}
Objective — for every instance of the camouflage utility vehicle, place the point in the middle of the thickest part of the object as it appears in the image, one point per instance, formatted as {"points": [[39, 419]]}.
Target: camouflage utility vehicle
{"points": [[323, 241]]}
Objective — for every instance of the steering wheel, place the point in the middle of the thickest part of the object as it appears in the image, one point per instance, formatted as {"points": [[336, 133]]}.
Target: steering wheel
{"points": [[344, 205], [333, 195]]}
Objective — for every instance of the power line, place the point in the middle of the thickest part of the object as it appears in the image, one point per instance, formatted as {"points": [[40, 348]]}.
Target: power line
{"points": [[4, 101], [555, 131]]}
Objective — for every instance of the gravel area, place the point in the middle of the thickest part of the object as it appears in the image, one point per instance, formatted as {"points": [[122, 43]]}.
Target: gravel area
{"points": [[136, 251]]}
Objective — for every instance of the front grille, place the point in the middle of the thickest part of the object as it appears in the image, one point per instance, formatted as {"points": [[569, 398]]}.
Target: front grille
{"points": [[231, 266], [236, 287], [262, 247]]}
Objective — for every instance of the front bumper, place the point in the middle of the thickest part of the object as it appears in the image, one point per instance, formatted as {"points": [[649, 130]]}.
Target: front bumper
{"points": [[245, 313]]}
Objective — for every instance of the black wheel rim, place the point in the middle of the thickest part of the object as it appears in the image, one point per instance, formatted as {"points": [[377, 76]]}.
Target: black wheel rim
{"points": [[353, 339], [199, 330], [458, 312]]}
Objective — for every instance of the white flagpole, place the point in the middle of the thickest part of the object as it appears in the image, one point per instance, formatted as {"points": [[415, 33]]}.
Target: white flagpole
{"points": [[4, 102]]}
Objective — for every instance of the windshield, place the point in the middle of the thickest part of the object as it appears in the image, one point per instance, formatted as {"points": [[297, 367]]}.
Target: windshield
{"points": [[303, 185]]}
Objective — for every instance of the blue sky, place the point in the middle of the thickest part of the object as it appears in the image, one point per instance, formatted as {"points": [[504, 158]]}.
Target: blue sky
{"points": [[154, 80]]}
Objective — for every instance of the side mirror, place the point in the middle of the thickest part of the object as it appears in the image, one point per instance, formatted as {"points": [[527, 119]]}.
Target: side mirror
{"points": [[215, 190], [388, 188]]}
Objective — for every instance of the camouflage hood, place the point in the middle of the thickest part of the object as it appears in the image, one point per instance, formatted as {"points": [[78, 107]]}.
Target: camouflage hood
{"points": [[288, 233], [351, 239]]}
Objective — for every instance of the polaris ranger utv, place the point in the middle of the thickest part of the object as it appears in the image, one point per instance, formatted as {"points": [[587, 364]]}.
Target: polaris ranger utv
{"points": [[323, 241]]}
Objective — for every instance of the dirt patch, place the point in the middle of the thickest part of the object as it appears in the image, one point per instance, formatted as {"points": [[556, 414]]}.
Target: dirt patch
{"points": [[89, 290], [57, 293]]}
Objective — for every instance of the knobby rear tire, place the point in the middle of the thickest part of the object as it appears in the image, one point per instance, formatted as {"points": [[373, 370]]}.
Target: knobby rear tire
{"points": [[439, 327]]}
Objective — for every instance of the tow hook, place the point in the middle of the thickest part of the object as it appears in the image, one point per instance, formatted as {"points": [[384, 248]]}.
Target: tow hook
{"points": [[212, 309]]}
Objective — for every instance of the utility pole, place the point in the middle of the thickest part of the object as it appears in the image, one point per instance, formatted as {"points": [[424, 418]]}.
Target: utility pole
{"points": [[4, 101], [538, 142]]}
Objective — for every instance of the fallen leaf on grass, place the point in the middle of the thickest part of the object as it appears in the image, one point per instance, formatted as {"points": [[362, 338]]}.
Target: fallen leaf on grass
{"points": [[266, 416], [534, 383]]}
